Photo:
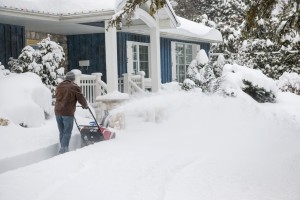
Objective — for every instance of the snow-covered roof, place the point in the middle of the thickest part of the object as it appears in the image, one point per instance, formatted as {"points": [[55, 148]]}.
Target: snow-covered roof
{"points": [[89, 11], [60, 7], [192, 29]]}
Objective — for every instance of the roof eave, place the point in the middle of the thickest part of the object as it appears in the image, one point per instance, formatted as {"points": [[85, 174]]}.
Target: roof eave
{"points": [[77, 17]]}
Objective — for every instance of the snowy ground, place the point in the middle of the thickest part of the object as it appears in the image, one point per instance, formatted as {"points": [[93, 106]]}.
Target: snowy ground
{"points": [[176, 145]]}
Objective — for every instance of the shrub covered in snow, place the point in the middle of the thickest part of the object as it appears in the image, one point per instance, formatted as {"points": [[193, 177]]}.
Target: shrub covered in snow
{"points": [[200, 73], [44, 62], [289, 82], [25, 100], [260, 94], [3, 71], [251, 81]]}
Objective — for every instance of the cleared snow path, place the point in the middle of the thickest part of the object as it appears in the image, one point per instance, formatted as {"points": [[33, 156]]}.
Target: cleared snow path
{"points": [[35, 156]]}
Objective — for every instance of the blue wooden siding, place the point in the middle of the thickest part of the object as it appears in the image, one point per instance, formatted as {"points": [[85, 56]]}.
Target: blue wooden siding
{"points": [[87, 47], [92, 47], [122, 39], [166, 59], [12, 41]]}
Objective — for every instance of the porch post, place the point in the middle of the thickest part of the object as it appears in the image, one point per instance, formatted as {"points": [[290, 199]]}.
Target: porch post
{"points": [[155, 57], [111, 58]]}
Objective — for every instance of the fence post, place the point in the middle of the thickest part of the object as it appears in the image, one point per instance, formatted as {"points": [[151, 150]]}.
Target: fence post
{"points": [[97, 84], [126, 82], [142, 73]]}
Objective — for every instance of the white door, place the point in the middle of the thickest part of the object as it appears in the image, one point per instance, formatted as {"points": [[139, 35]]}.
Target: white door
{"points": [[138, 58]]}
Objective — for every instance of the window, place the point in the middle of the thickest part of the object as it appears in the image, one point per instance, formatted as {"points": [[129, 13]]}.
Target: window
{"points": [[139, 53], [184, 56]]}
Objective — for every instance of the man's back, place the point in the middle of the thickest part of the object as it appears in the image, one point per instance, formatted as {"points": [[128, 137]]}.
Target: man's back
{"points": [[67, 94]]}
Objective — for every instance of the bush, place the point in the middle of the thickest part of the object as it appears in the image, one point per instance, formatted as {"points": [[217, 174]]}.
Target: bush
{"points": [[44, 62], [289, 82], [258, 93]]}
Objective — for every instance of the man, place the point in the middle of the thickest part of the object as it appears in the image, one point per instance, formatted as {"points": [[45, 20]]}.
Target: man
{"points": [[67, 95]]}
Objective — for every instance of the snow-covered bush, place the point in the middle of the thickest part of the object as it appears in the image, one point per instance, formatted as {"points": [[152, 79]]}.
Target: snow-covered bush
{"points": [[289, 82], [200, 73], [25, 100], [188, 84], [3, 71], [44, 62], [251, 81], [260, 94]]}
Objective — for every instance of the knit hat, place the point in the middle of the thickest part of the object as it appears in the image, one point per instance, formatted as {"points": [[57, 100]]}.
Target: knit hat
{"points": [[70, 76]]}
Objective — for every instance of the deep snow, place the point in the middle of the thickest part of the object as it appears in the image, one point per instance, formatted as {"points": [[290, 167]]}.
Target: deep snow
{"points": [[175, 145]]}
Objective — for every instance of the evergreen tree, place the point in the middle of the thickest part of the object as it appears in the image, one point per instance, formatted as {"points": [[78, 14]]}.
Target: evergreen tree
{"points": [[25, 62], [227, 16], [50, 55], [200, 74], [272, 37]]}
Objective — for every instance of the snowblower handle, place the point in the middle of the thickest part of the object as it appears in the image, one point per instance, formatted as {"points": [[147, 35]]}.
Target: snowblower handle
{"points": [[92, 115]]}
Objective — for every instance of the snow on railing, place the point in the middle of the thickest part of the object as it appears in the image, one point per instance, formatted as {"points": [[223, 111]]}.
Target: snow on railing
{"points": [[131, 84]]}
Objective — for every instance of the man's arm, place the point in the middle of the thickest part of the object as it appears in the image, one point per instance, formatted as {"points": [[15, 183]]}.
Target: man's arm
{"points": [[80, 98]]}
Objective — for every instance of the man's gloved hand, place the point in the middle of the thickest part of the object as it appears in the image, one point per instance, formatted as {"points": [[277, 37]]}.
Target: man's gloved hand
{"points": [[85, 107]]}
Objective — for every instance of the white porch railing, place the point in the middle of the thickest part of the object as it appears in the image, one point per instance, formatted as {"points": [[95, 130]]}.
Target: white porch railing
{"points": [[92, 86], [131, 84]]}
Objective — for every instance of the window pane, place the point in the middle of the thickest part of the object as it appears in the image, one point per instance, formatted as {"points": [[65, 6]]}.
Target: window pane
{"points": [[144, 66], [143, 49], [189, 59], [143, 57], [181, 60], [189, 49], [179, 50], [181, 74]]}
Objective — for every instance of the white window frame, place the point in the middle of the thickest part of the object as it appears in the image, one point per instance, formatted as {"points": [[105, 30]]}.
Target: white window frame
{"points": [[130, 60]]}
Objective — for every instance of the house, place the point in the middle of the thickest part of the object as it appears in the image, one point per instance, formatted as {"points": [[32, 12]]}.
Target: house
{"points": [[162, 47]]}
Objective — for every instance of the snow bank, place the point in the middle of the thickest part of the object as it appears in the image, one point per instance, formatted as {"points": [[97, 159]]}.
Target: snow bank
{"points": [[24, 99], [197, 147]]}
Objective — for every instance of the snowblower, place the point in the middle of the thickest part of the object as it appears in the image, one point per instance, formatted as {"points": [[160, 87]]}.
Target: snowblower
{"points": [[95, 132]]}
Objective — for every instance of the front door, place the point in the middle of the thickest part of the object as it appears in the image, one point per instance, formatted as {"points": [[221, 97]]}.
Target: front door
{"points": [[138, 58]]}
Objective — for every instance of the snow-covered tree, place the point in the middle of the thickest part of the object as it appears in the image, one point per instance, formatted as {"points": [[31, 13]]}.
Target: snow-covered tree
{"points": [[272, 35], [26, 61], [200, 74], [44, 61], [50, 55], [226, 16]]}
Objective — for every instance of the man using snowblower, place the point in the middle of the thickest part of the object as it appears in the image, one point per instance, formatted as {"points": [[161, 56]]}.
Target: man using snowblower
{"points": [[67, 95]]}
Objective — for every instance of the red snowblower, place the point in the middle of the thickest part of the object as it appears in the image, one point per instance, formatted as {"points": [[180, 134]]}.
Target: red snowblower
{"points": [[95, 132]]}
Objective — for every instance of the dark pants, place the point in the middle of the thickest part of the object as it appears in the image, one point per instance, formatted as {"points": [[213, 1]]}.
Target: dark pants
{"points": [[65, 127]]}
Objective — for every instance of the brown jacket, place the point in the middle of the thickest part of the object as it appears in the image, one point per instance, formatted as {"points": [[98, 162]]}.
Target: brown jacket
{"points": [[67, 95]]}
